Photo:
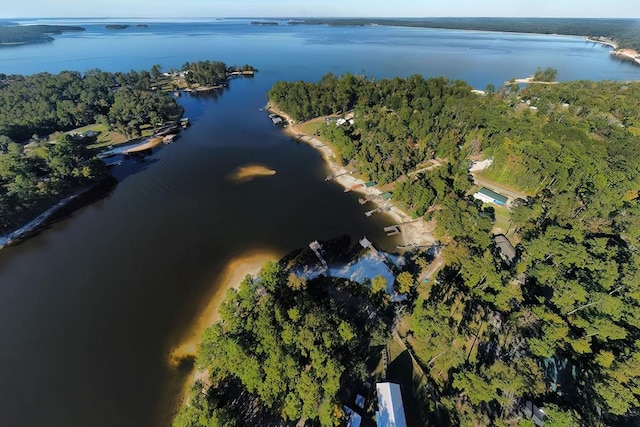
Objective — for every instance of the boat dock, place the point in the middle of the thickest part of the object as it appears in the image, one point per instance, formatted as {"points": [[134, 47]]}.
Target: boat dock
{"points": [[276, 119], [332, 177], [392, 230], [316, 247], [366, 244], [380, 209]]}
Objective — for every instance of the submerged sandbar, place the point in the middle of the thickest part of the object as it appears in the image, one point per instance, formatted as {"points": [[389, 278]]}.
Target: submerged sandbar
{"points": [[248, 172]]}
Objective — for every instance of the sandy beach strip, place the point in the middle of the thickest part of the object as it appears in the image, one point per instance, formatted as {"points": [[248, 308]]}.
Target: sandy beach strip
{"points": [[629, 54], [237, 269], [151, 143], [33, 225], [413, 231]]}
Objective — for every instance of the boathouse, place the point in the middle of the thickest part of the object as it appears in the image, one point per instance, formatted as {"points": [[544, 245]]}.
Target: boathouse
{"points": [[390, 411], [489, 196]]}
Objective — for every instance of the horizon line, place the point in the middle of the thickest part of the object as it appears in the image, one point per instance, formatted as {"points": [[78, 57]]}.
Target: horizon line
{"points": [[319, 17]]}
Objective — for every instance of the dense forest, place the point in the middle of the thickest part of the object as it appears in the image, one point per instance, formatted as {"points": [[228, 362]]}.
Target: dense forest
{"points": [[30, 180], [300, 347], [44, 103], [24, 34], [558, 327], [624, 31]]}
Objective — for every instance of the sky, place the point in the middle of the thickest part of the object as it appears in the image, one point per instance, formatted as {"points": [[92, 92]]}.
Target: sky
{"points": [[320, 8]]}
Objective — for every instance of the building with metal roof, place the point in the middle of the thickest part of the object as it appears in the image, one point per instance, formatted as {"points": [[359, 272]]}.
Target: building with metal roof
{"points": [[489, 196], [390, 411]]}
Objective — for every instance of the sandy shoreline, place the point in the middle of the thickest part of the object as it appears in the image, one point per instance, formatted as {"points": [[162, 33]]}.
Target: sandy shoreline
{"points": [[234, 272], [416, 232], [40, 221], [236, 269], [529, 80], [627, 54]]}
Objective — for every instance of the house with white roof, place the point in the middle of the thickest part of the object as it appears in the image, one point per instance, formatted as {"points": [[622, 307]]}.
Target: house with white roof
{"points": [[390, 411]]}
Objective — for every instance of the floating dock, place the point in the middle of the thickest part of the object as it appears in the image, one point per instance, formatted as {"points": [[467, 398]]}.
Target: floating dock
{"points": [[316, 247], [392, 230], [380, 209]]}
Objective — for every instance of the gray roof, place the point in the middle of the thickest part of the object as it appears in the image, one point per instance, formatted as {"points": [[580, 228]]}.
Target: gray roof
{"points": [[505, 247]]}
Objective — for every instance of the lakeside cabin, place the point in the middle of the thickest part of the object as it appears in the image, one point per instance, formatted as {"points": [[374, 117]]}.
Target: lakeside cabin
{"points": [[489, 196], [390, 411]]}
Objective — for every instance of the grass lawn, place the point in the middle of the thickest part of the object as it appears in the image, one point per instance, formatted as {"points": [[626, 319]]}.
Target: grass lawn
{"points": [[403, 370], [106, 137], [311, 127], [503, 219]]}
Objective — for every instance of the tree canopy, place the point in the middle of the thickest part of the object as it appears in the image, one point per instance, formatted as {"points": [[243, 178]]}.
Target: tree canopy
{"points": [[289, 344], [558, 327]]}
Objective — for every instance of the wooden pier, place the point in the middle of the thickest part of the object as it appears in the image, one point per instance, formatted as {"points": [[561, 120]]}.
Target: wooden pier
{"points": [[332, 177], [366, 244], [316, 247], [380, 209]]}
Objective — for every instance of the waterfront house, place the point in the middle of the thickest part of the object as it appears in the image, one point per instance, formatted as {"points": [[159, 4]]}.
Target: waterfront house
{"points": [[489, 196], [507, 251]]}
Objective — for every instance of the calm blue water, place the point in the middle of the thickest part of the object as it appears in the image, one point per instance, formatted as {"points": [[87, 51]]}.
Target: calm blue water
{"points": [[91, 307], [308, 52]]}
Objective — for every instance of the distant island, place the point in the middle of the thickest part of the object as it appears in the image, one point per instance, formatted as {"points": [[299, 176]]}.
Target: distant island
{"points": [[124, 26], [29, 34], [267, 23]]}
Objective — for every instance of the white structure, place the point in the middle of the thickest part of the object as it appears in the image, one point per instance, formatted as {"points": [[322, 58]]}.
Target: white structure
{"points": [[390, 411], [480, 166], [489, 196]]}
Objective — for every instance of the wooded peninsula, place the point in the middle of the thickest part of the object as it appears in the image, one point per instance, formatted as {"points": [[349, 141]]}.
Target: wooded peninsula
{"points": [[28, 34], [43, 158], [555, 325]]}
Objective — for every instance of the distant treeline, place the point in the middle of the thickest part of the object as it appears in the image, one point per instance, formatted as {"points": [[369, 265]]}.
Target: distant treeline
{"points": [[22, 34], [624, 31]]}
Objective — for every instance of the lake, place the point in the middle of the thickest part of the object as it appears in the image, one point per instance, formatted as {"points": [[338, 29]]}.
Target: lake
{"points": [[91, 308]]}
